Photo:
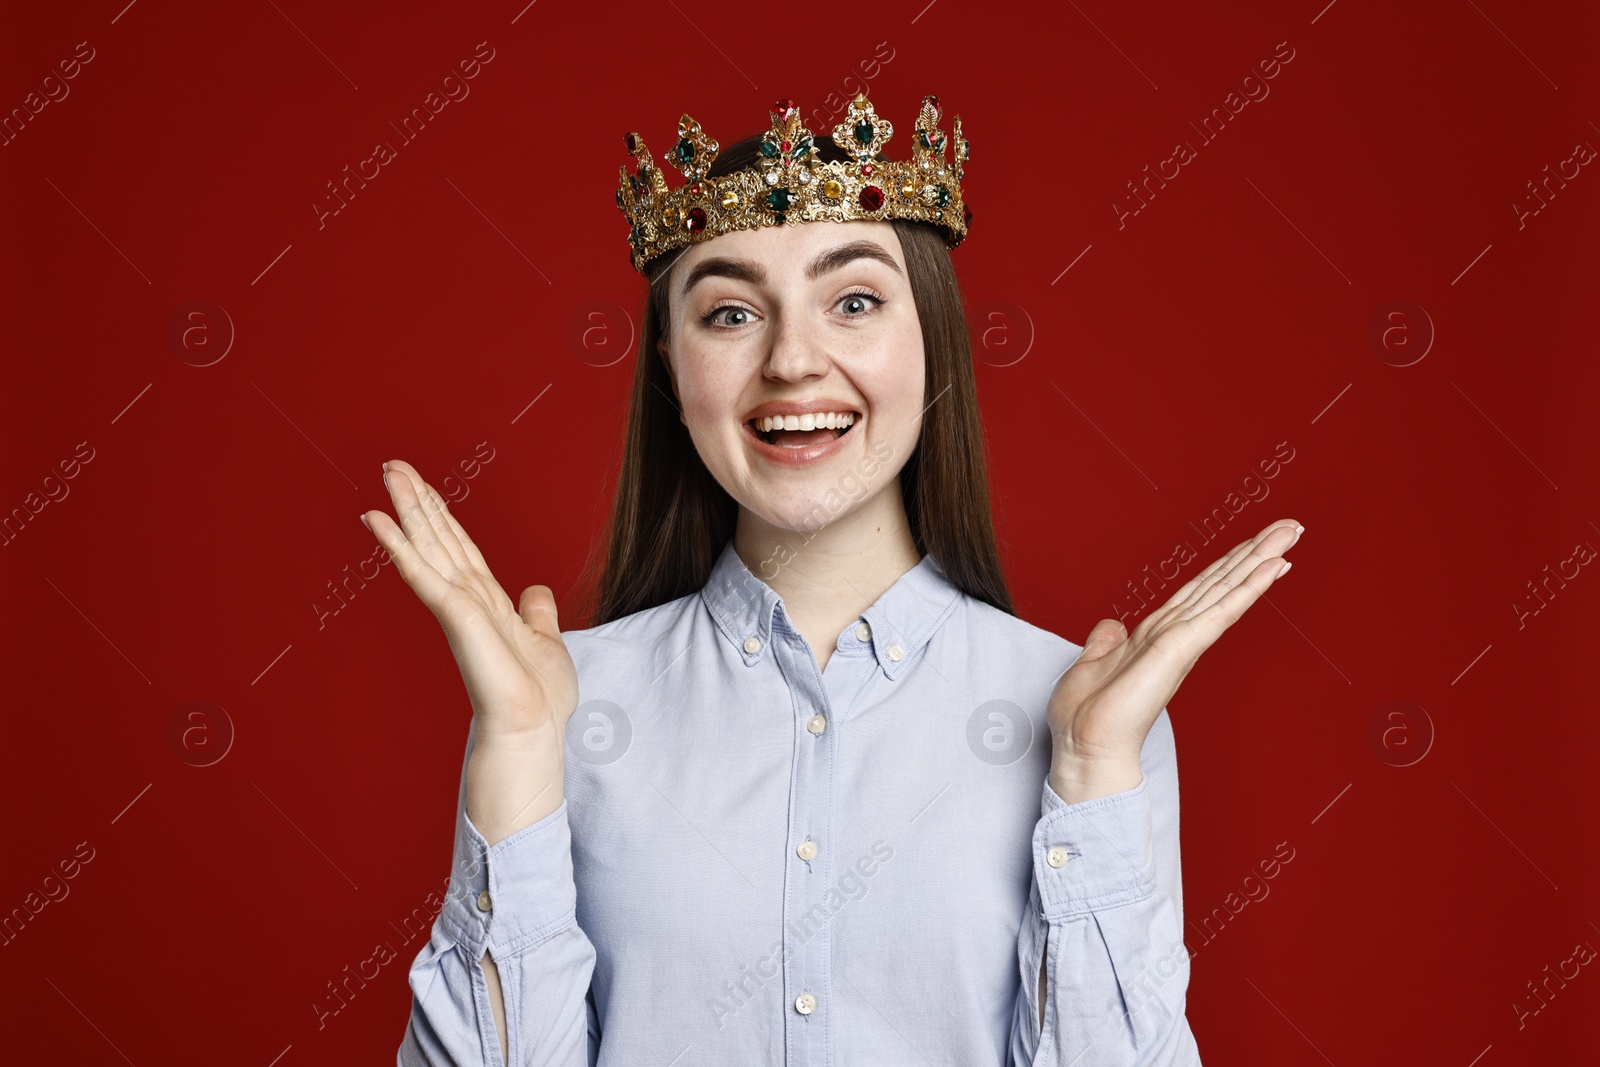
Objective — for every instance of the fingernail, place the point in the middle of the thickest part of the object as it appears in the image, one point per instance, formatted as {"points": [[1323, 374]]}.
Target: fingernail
{"points": [[386, 478], [365, 523], [1283, 571], [1298, 530]]}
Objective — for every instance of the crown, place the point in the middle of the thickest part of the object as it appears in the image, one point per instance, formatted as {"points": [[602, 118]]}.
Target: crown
{"points": [[789, 184]]}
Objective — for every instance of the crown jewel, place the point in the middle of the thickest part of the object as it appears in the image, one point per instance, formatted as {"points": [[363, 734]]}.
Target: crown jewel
{"points": [[790, 184]]}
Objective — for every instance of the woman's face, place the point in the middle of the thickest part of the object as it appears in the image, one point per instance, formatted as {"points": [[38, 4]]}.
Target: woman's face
{"points": [[816, 319]]}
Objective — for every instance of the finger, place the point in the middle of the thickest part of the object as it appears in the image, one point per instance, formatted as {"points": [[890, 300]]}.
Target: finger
{"points": [[421, 575], [1267, 548], [1198, 586], [473, 557], [1208, 625], [416, 513], [538, 609], [1106, 635]]}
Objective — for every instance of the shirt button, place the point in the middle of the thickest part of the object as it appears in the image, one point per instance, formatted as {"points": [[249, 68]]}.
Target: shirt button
{"points": [[805, 1003], [807, 850], [1056, 857], [752, 645], [483, 900], [864, 632], [896, 653], [816, 724]]}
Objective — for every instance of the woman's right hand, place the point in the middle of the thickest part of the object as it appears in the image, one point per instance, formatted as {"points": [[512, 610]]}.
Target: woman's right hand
{"points": [[518, 673]]}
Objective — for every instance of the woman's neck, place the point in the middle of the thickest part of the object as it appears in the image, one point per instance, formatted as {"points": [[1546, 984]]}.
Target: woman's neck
{"points": [[829, 576]]}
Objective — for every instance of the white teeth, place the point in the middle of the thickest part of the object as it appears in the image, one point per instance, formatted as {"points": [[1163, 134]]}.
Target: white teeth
{"points": [[826, 420]]}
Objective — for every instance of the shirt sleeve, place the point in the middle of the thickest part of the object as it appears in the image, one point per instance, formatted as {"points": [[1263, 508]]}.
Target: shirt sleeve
{"points": [[1106, 909], [517, 899]]}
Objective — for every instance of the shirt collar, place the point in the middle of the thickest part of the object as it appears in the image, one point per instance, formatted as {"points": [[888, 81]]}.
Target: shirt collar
{"points": [[902, 620]]}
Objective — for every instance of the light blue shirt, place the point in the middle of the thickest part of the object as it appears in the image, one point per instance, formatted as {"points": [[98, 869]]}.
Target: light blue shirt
{"points": [[760, 863]]}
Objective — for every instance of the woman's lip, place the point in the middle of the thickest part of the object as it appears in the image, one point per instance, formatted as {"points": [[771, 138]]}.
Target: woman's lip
{"points": [[797, 457]]}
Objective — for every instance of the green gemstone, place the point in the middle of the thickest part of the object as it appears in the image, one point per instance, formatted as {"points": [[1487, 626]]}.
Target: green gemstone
{"points": [[779, 199], [685, 150], [864, 132], [801, 149], [922, 136], [944, 196], [769, 149]]}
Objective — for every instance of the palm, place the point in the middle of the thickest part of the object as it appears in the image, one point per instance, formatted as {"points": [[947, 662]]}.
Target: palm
{"points": [[1103, 707], [518, 672]]}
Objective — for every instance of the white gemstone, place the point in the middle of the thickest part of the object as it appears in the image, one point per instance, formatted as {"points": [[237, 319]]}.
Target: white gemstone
{"points": [[772, 177]]}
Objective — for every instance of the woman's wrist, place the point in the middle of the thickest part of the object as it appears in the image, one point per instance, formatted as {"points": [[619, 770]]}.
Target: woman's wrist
{"points": [[1075, 779]]}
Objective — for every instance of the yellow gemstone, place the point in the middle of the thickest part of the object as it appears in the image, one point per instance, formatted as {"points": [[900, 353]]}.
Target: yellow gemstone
{"points": [[832, 189], [908, 189], [730, 200], [671, 217]]}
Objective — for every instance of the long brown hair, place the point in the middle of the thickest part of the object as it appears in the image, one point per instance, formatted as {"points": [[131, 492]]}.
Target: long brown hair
{"points": [[670, 519]]}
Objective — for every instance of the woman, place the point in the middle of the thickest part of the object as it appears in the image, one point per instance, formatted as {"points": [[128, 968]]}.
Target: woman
{"points": [[826, 798]]}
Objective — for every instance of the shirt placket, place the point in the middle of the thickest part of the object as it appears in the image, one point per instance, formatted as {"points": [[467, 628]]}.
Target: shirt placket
{"points": [[808, 868]]}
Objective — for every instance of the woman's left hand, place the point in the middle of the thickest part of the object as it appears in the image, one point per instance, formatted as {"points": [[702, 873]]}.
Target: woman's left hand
{"points": [[1103, 707]]}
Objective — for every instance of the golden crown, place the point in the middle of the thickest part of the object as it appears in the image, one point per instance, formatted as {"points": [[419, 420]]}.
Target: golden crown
{"points": [[789, 184]]}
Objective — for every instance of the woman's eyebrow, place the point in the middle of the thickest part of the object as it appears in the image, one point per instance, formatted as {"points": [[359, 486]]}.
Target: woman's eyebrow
{"points": [[754, 273]]}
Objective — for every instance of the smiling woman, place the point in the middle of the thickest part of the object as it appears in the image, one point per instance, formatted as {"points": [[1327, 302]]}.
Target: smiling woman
{"points": [[742, 735]]}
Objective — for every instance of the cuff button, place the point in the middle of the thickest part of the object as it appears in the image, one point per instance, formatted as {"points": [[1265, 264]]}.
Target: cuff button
{"points": [[483, 901], [1056, 857]]}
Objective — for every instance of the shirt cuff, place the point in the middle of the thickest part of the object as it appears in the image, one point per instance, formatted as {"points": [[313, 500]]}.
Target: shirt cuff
{"points": [[514, 894], [1094, 854]]}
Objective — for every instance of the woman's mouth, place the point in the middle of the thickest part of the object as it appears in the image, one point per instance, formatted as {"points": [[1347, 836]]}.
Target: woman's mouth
{"points": [[795, 439]]}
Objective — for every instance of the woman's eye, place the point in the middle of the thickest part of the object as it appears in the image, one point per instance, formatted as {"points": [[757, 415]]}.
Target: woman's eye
{"points": [[711, 316], [856, 304]]}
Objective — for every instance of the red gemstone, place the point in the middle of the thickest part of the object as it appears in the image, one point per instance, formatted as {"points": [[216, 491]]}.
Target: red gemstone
{"points": [[871, 198], [695, 189], [787, 146], [631, 141], [866, 170], [696, 220], [783, 107]]}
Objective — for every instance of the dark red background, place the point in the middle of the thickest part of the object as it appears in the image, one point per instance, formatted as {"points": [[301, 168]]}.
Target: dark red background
{"points": [[1125, 398]]}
